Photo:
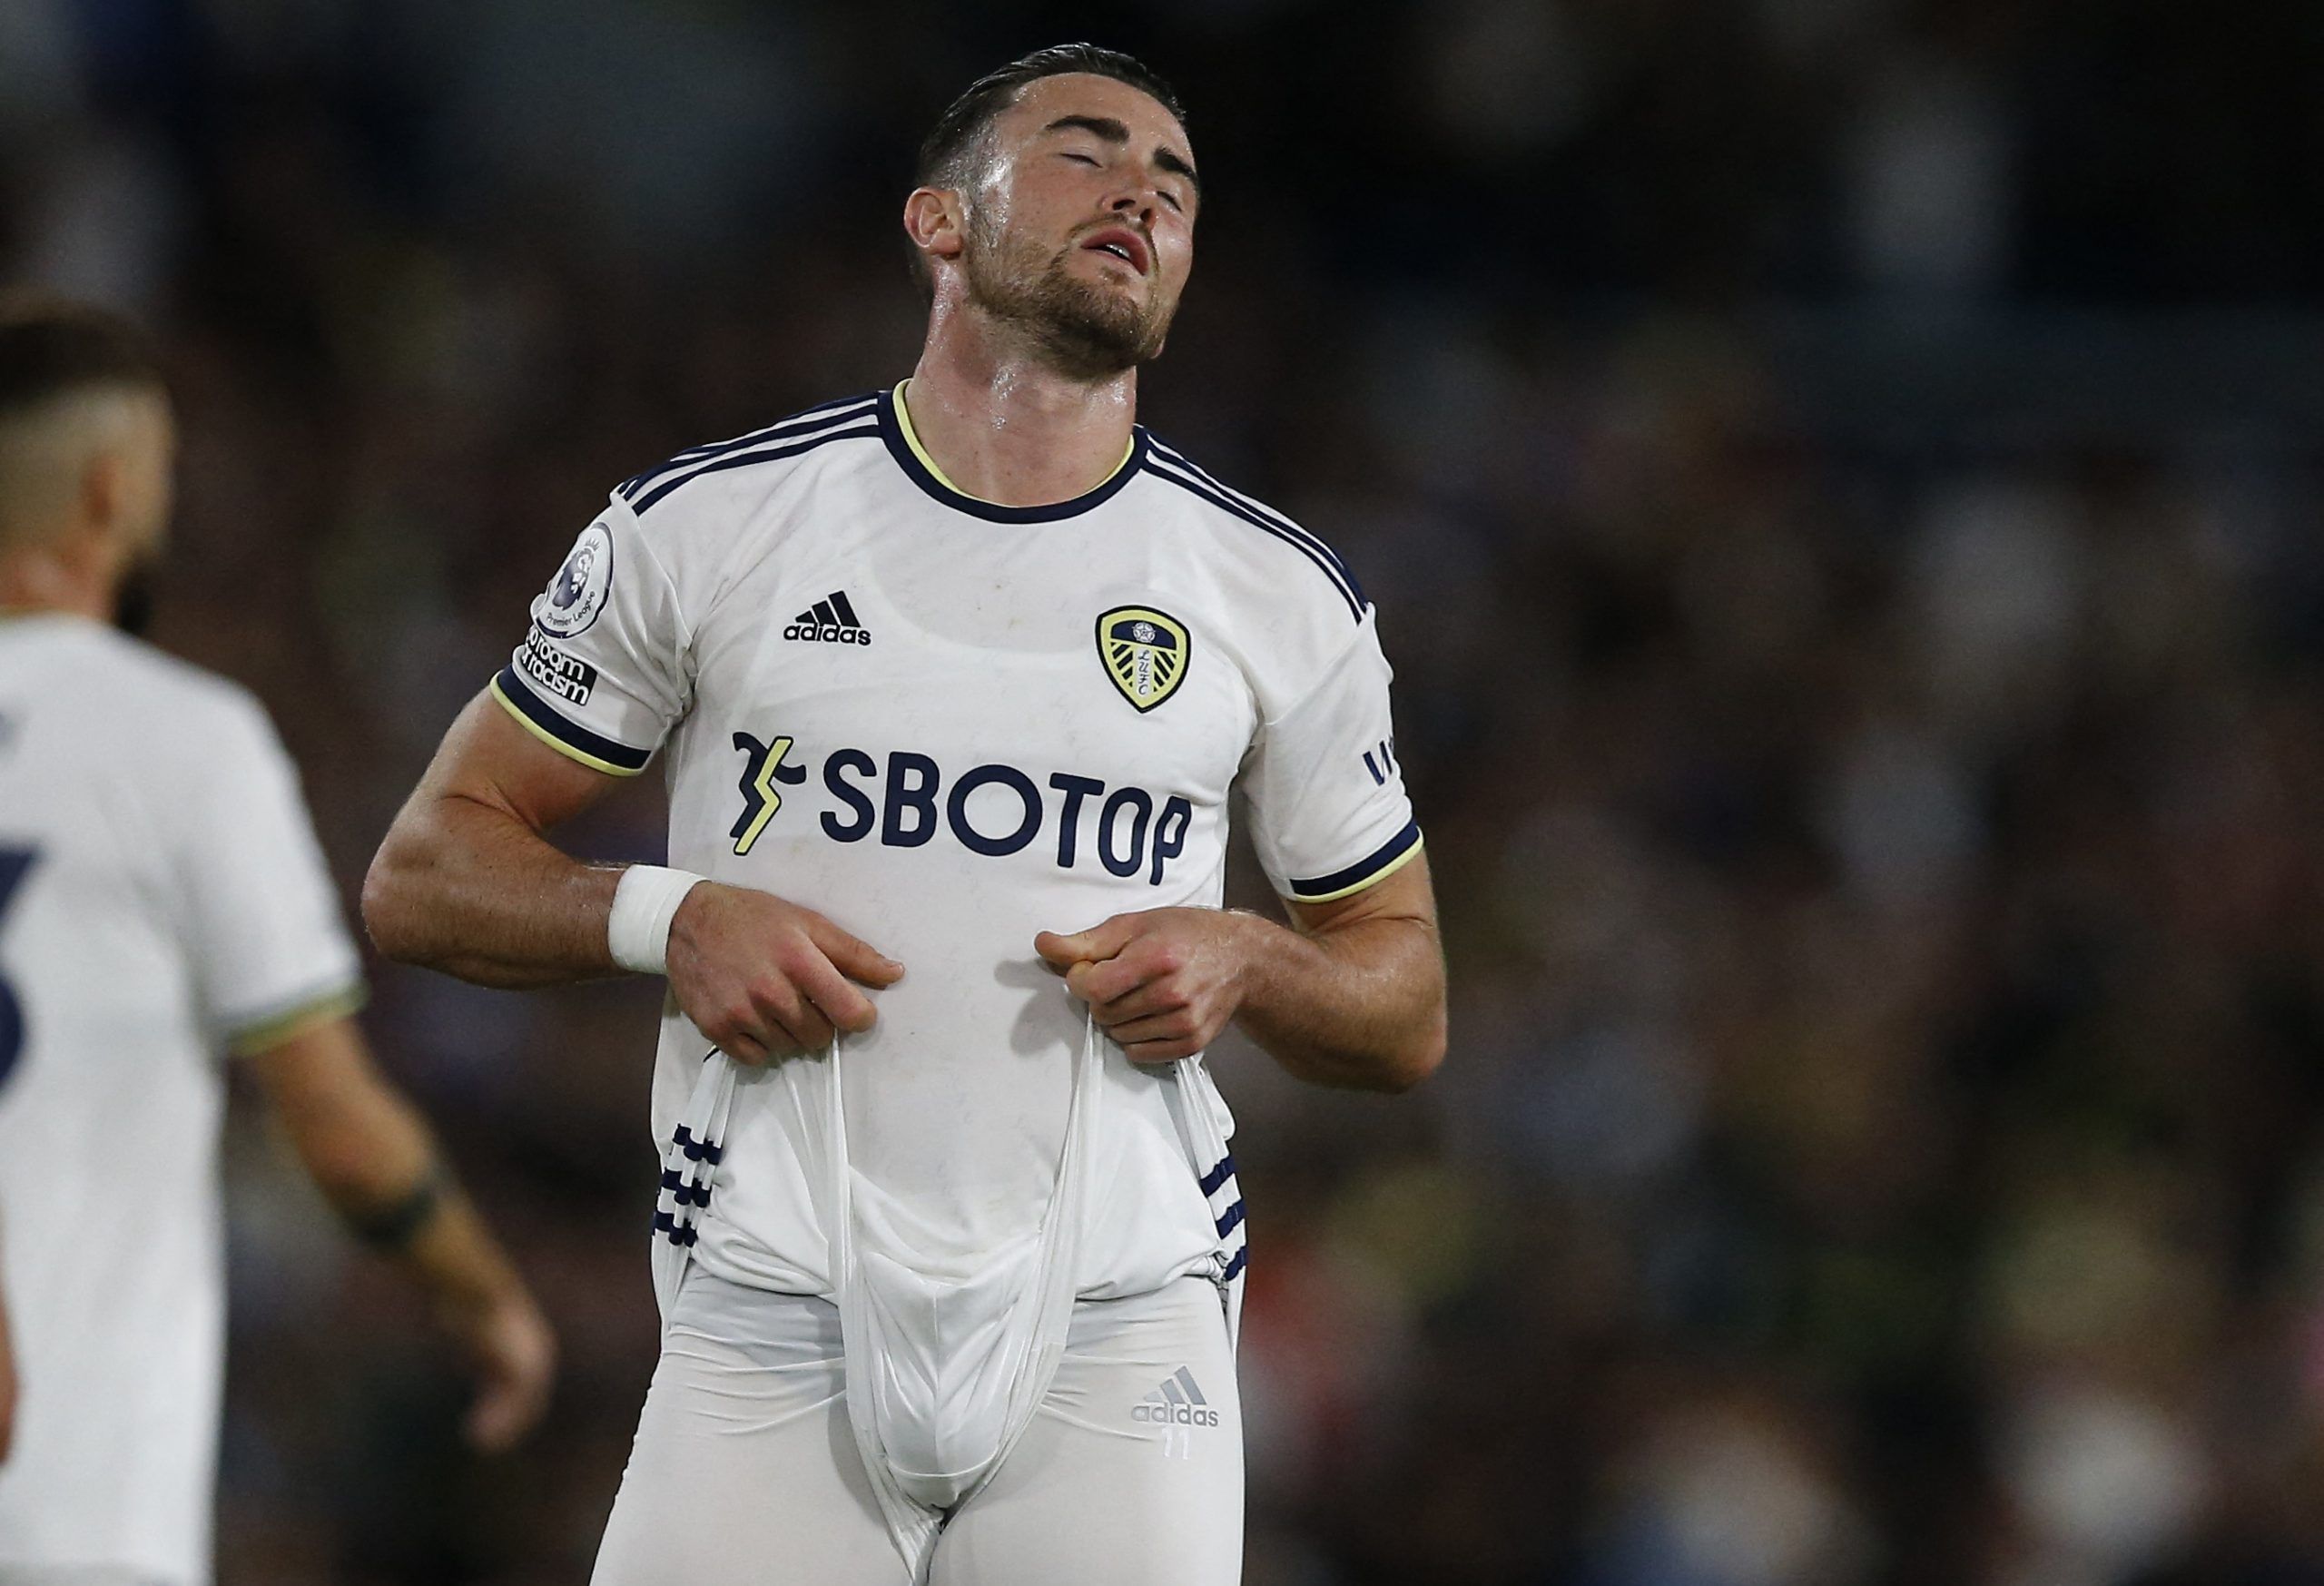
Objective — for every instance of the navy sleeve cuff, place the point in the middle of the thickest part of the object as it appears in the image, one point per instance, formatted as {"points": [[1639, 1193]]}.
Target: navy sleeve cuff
{"points": [[1378, 865], [575, 743]]}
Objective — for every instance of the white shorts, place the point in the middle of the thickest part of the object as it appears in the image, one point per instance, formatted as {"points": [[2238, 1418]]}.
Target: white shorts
{"points": [[745, 1471]]}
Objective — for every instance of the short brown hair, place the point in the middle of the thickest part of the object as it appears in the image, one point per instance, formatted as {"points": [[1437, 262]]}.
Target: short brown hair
{"points": [[51, 347], [964, 120]]}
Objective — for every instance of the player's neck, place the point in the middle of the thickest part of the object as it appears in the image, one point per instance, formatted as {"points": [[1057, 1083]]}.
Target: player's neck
{"points": [[35, 585], [1006, 426]]}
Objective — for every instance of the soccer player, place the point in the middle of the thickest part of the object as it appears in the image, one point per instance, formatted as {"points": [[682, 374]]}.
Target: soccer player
{"points": [[955, 681], [162, 900]]}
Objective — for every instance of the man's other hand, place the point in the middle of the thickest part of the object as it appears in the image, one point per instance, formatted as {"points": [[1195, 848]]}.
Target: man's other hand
{"points": [[513, 1355], [1162, 982]]}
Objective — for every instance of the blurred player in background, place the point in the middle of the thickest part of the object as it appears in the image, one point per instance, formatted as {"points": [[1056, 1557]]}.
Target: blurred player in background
{"points": [[161, 897], [966, 669]]}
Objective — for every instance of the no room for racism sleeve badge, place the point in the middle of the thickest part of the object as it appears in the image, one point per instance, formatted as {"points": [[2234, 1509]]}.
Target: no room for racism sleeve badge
{"points": [[1145, 651]]}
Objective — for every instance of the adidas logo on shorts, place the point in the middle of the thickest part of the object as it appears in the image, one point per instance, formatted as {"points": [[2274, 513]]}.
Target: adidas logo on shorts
{"points": [[830, 621], [1176, 1402]]}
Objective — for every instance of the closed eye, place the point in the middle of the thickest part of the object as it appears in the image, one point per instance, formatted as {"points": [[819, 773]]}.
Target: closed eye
{"points": [[1083, 159]]}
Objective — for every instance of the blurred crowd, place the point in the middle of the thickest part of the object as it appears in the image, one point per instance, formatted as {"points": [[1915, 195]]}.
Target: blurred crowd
{"points": [[1839, 480]]}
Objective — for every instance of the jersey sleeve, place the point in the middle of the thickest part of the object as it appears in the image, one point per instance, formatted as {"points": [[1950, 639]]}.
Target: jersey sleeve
{"points": [[1328, 810], [601, 675], [271, 950]]}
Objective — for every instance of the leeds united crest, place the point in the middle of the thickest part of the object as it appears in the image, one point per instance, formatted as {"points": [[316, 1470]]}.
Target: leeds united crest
{"points": [[1145, 653]]}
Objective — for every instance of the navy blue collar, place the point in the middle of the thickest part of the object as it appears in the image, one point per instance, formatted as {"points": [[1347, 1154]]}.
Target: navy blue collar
{"points": [[918, 472]]}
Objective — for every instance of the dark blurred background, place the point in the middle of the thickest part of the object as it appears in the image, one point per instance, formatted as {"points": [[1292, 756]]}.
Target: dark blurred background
{"points": [[1840, 481]]}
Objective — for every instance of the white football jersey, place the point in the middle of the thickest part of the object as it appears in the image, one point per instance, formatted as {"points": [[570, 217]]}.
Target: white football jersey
{"points": [[948, 725], [161, 901]]}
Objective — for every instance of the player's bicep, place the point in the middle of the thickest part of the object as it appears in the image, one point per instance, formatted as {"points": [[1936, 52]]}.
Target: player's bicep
{"points": [[488, 758], [313, 1072], [467, 878], [1404, 893], [347, 1123]]}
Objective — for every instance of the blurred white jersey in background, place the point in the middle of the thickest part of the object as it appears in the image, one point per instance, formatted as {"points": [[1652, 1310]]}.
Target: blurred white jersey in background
{"points": [[162, 901]]}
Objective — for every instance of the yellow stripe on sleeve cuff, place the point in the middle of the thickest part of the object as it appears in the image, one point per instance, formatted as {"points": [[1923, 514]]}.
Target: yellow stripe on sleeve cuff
{"points": [[274, 1028], [560, 736], [1383, 861]]}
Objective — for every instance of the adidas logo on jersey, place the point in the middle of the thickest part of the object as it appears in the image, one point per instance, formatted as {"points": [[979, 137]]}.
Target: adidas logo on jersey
{"points": [[830, 621], [1176, 1402]]}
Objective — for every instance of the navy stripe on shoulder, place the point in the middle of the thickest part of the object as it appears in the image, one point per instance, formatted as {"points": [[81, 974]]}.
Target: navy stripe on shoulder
{"points": [[538, 712], [806, 421], [781, 425], [1329, 565], [852, 426], [1252, 503]]}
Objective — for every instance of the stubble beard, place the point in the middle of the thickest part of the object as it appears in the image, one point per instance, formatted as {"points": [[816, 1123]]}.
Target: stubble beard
{"points": [[1087, 331]]}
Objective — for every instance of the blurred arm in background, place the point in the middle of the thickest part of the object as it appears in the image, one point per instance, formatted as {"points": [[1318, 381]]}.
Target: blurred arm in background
{"points": [[7, 1380], [465, 882], [375, 1161]]}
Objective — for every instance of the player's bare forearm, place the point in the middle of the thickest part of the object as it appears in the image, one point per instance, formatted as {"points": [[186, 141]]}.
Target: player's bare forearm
{"points": [[1360, 1005], [376, 1162], [461, 886], [465, 882], [1352, 995]]}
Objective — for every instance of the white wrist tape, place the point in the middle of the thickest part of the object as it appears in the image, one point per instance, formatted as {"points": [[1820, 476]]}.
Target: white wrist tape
{"points": [[638, 931]]}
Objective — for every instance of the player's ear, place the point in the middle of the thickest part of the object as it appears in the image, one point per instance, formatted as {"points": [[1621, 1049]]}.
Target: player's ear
{"points": [[103, 499], [934, 222]]}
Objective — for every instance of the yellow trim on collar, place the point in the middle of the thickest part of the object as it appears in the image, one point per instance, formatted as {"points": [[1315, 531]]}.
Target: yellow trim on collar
{"points": [[911, 440]]}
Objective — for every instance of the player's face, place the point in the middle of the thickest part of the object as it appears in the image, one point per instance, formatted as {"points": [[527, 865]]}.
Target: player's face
{"points": [[1083, 225]]}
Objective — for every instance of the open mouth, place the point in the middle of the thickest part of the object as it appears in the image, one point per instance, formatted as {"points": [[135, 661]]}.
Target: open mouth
{"points": [[1121, 242]]}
